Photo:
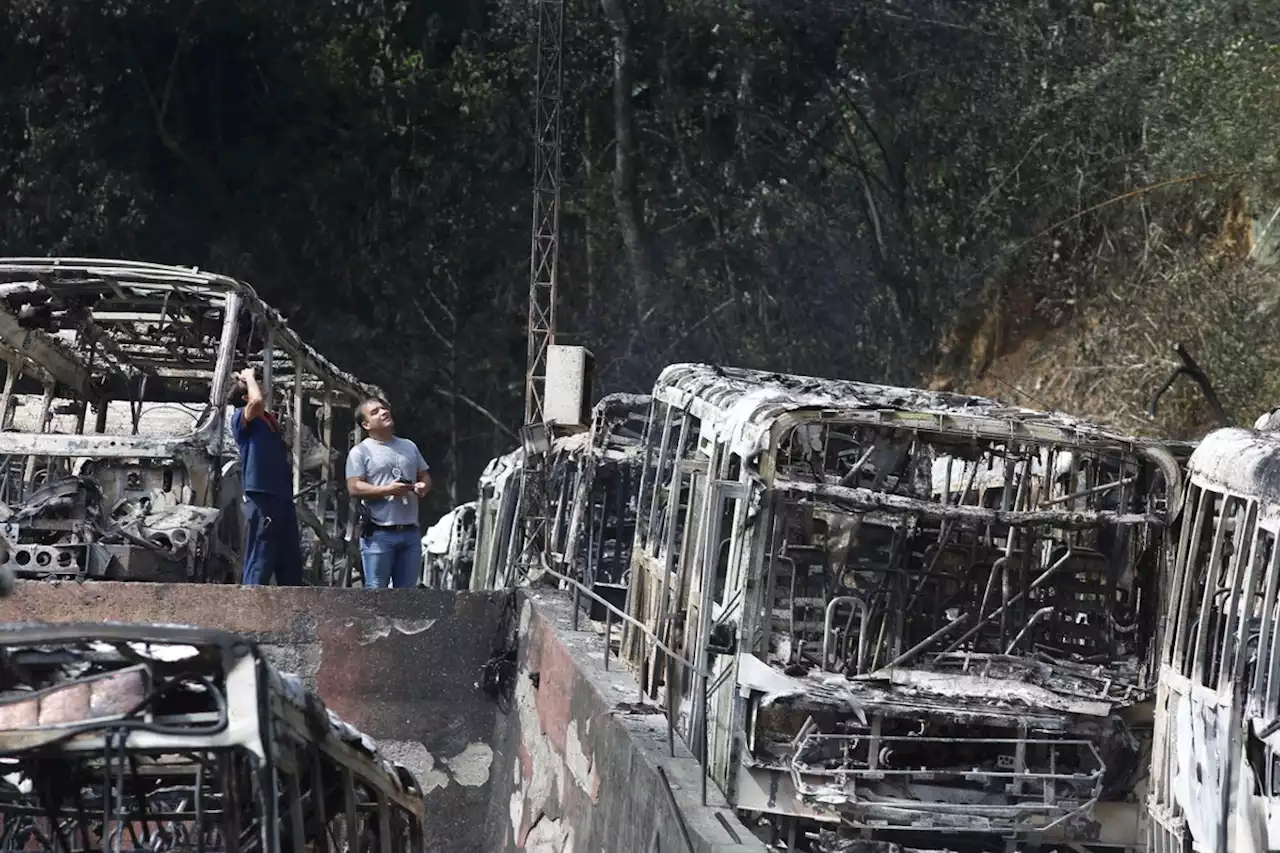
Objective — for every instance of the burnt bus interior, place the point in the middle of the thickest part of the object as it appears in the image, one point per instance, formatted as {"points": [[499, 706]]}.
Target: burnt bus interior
{"points": [[116, 456], [452, 568], [949, 547], [596, 479], [927, 618], [591, 485], [167, 739], [995, 605]]}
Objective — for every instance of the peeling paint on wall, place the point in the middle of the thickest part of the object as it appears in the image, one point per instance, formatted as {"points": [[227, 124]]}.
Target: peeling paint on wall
{"points": [[381, 627], [471, 766], [413, 754], [549, 836], [546, 765], [581, 768]]}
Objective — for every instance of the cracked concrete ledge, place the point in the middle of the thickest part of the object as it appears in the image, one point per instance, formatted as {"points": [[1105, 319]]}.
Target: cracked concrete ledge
{"points": [[575, 772]]}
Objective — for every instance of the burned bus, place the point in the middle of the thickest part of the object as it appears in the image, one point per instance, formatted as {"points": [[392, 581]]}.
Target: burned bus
{"points": [[1215, 770], [116, 458], [169, 739], [589, 490], [920, 621]]}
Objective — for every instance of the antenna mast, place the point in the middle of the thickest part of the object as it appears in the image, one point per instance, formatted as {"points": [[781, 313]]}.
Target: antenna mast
{"points": [[544, 268], [544, 260]]}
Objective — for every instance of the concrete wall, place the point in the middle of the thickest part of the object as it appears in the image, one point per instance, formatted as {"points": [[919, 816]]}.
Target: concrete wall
{"points": [[401, 665], [577, 770]]}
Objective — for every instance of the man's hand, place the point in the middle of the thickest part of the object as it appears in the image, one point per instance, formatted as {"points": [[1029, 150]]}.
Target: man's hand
{"points": [[420, 489], [358, 488], [255, 404]]}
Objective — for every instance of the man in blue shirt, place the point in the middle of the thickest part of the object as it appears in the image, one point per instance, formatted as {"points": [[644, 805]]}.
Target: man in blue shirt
{"points": [[272, 546], [388, 474]]}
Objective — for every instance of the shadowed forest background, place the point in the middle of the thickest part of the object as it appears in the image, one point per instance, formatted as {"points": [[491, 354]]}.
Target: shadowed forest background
{"points": [[1033, 200]]}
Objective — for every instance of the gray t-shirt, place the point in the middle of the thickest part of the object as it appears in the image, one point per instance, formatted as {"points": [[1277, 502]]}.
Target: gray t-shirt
{"points": [[380, 463]]}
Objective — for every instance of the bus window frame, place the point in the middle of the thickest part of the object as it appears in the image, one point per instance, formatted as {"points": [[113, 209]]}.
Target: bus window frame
{"points": [[659, 415], [1212, 569], [1259, 690], [1241, 583]]}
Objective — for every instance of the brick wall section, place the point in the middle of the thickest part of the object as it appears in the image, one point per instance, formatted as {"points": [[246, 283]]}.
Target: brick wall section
{"points": [[400, 665]]}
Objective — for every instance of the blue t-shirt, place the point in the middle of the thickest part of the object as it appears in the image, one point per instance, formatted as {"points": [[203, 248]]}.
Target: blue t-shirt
{"points": [[264, 457]]}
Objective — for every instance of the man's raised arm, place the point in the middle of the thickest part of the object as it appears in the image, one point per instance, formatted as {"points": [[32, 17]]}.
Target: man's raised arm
{"points": [[255, 402]]}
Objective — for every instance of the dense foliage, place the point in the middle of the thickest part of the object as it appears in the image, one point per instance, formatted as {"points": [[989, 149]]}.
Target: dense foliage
{"points": [[890, 189]]}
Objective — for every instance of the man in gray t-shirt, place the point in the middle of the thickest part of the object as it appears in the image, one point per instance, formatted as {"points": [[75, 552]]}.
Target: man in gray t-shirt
{"points": [[388, 475]]}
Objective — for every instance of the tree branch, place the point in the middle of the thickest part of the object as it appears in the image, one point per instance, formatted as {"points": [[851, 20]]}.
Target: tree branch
{"points": [[1190, 368], [462, 398]]}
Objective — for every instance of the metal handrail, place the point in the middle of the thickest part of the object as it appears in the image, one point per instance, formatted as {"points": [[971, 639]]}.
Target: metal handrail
{"points": [[610, 611]]}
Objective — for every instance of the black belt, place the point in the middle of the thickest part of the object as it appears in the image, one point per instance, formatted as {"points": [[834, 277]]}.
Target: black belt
{"points": [[394, 527]]}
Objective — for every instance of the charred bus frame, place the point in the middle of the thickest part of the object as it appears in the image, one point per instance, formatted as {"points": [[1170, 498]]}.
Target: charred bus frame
{"points": [[167, 738], [592, 486], [926, 619], [124, 466], [1215, 772]]}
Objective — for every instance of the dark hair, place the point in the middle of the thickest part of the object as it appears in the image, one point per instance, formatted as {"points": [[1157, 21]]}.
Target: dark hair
{"points": [[362, 410], [237, 391]]}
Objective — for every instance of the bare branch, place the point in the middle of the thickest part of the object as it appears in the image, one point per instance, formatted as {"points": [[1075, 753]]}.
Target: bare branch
{"points": [[1190, 368], [435, 330], [462, 398]]}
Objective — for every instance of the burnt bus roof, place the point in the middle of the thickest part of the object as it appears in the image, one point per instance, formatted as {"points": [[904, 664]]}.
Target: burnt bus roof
{"points": [[92, 324], [1242, 461], [746, 404]]}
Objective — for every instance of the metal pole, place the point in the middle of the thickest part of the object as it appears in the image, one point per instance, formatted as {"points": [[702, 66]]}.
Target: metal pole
{"points": [[671, 709], [608, 637], [702, 740]]}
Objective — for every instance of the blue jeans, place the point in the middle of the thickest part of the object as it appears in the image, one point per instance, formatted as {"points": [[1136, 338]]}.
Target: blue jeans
{"points": [[392, 558], [272, 547]]}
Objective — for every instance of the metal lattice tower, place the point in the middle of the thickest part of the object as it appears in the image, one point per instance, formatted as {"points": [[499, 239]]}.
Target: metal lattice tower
{"points": [[544, 268], [544, 260]]}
